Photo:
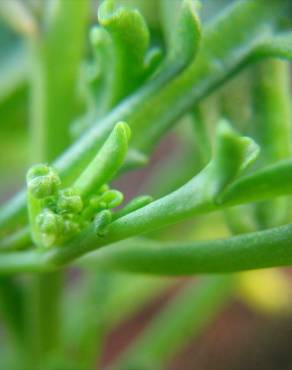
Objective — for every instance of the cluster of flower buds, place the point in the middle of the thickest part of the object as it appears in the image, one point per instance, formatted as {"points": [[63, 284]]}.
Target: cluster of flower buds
{"points": [[54, 212], [57, 214]]}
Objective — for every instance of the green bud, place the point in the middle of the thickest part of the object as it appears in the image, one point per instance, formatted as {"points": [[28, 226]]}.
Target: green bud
{"points": [[101, 222], [42, 181], [112, 198], [50, 203], [70, 228], [95, 201], [50, 226], [69, 201], [103, 189]]}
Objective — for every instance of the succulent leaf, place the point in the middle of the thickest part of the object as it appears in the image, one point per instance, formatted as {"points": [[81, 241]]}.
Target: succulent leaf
{"points": [[106, 163]]}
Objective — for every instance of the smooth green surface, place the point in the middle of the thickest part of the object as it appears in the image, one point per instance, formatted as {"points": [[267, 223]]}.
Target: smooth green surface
{"points": [[148, 113], [149, 81]]}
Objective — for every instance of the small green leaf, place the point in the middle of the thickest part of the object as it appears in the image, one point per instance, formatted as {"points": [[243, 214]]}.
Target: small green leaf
{"points": [[272, 181], [233, 154], [102, 86], [112, 198], [134, 159], [185, 40], [106, 163], [130, 40]]}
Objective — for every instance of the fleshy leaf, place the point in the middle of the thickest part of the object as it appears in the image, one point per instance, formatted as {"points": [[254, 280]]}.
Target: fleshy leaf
{"points": [[233, 154], [107, 161], [186, 38], [130, 38], [112, 198], [101, 87], [184, 41], [270, 182], [277, 46]]}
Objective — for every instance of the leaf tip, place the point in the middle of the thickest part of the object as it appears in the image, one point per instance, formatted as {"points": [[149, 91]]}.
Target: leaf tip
{"points": [[124, 129]]}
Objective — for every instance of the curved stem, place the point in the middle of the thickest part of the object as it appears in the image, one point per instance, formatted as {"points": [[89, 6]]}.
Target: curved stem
{"points": [[263, 249], [56, 57], [257, 250]]}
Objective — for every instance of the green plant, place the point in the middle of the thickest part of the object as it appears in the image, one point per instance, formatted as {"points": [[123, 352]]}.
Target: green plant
{"points": [[117, 100]]}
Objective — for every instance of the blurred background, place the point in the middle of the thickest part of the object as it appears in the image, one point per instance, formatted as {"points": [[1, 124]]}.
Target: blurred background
{"points": [[249, 324]]}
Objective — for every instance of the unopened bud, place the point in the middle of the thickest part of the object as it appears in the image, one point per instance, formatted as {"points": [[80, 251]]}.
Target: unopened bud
{"points": [[42, 181]]}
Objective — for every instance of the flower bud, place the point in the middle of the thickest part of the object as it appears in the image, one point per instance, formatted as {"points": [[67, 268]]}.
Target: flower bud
{"points": [[112, 198], [50, 226], [69, 201], [42, 181]]}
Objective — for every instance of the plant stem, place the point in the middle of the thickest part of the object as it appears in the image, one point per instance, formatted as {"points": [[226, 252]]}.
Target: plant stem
{"points": [[272, 128], [192, 200], [56, 57], [262, 249]]}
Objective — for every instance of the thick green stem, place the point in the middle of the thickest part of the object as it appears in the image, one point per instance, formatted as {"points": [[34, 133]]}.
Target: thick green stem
{"points": [[189, 200], [272, 128], [56, 58], [263, 249]]}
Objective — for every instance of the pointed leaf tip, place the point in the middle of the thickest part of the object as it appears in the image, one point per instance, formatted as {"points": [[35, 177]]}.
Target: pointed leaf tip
{"points": [[244, 148], [233, 154], [124, 129]]}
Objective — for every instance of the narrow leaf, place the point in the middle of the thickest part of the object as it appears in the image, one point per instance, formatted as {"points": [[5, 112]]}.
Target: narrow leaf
{"points": [[130, 38], [107, 161]]}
